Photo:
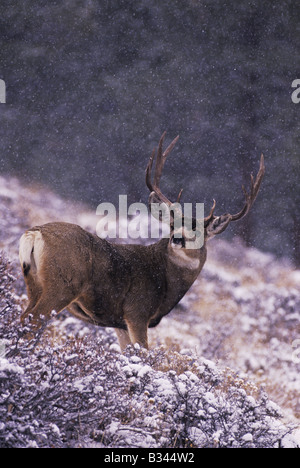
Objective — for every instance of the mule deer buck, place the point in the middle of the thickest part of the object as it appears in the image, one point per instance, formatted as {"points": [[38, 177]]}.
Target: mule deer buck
{"points": [[127, 287]]}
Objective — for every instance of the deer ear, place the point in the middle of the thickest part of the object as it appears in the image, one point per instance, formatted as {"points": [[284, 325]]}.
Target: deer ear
{"points": [[218, 225]]}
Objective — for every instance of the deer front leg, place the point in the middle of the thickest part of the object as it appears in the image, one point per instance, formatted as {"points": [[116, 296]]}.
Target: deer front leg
{"points": [[123, 337], [138, 332]]}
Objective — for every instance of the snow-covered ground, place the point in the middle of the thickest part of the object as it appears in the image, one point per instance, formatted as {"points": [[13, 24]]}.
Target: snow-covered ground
{"points": [[223, 370]]}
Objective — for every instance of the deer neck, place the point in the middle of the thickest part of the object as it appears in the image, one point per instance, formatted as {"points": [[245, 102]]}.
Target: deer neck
{"points": [[184, 264], [182, 269]]}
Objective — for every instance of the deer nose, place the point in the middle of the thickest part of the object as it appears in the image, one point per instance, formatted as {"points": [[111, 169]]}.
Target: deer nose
{"points": [[179, 242]]}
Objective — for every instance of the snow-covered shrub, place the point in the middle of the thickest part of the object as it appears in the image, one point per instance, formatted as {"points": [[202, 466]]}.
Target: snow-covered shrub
{"points": [[6, 281], [9, 305], [73, 388], [84, 392]]}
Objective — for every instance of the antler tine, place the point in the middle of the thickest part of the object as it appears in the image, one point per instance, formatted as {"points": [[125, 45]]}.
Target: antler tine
{"points": [[211, 216], [250, 198], [162, 157], [179, 196], [149, 171], [160, 162]]}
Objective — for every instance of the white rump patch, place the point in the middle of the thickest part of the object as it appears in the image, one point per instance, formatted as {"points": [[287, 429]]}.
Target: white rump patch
{"points": [[31, 243]]}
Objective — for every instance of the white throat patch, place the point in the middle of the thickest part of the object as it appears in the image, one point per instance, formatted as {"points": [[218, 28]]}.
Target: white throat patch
{"points": [[181, 259]]}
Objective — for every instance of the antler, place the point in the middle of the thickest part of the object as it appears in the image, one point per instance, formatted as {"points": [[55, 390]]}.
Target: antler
{"points": [[160, 162], [250, 198], [217, 224], [211, 216], [214, 224]]}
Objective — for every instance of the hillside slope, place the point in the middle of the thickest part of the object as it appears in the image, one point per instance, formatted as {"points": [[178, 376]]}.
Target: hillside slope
{"points": [[218, 361]]}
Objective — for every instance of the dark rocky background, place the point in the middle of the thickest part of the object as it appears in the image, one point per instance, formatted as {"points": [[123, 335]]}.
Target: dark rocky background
{"points": [[91, 86]]}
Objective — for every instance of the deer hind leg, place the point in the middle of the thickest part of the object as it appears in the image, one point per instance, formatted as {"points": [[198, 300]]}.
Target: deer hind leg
{"points": [[34, 293], [39, 313]]}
